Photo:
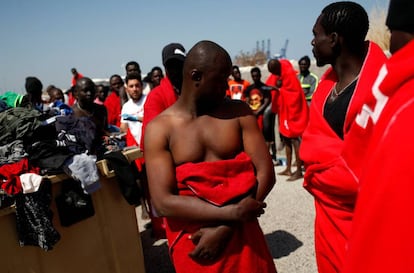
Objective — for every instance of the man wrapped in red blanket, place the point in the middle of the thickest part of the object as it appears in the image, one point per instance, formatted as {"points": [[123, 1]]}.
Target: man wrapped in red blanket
{"points": [[209, 171], [290, 105], [382, 227], [333, 148], [219, 183]]}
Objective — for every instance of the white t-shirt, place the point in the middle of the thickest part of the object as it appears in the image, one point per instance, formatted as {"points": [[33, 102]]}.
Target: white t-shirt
{"points": [[135, 109]]}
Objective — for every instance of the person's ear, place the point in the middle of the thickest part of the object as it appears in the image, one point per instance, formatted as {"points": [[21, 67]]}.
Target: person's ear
{"points": [[196, 75], [334, 38]]}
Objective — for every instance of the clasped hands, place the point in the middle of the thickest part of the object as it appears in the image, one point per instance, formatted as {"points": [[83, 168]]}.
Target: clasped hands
{"points": [[211, 241]]}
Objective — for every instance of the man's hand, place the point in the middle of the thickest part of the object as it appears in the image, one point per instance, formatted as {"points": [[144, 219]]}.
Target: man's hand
{"points": [[210, 242], [248, 209]]}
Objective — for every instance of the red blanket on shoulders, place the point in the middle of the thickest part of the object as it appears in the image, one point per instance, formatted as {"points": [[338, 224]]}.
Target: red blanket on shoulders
{"points": [[329, 175], [289, 102], [382, 228], [219, 183]]}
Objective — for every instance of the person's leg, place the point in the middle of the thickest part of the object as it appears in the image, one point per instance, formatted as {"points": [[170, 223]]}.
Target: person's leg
{"points": [[269, 131], [288, 146], [298, 173]]}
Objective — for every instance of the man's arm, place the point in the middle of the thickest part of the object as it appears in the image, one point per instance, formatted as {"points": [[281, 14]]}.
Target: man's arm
{"points": [[163, 185], [255, 147]]}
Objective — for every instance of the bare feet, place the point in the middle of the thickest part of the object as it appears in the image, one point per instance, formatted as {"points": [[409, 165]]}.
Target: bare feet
{"points": [[285, 172], [295, 176]]}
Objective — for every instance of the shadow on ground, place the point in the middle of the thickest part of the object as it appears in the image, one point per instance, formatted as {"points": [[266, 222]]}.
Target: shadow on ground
{"points": [[282, 243]]}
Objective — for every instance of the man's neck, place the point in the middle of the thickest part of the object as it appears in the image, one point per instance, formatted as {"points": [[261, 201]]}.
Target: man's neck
{"points": [[305, 73]]}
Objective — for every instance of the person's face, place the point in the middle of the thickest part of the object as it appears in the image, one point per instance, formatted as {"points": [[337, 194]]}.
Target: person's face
{"points": [[174, 71], [134, 89], [132, 68], [100, 93], [236, 74], [156, 77], [321, 44], [116, 83], [303, 66], [85, 92], [56, 95], [255, 76]]}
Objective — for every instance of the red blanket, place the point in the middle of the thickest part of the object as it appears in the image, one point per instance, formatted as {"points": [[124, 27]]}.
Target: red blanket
{"points": [[329, 176], [159, 99], [219, 182], [289, 102], [113, 106], [382, 229]]}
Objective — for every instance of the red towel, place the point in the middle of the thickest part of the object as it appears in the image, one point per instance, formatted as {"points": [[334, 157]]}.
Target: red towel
{"points": [[289, 102], [219, 182], [329, 177]]}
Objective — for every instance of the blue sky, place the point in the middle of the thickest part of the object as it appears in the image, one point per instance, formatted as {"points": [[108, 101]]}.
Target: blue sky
{"points": [[46, 38]]}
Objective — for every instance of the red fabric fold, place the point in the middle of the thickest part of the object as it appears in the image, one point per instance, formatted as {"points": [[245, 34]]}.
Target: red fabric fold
{"points": [[159, 99], [218, 182], [247, 250], [332, 163]]}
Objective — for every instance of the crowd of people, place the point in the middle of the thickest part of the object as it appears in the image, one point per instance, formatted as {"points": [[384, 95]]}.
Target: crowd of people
{"points": [[208, 138]]}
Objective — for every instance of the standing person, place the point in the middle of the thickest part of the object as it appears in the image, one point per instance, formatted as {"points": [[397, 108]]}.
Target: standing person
{"points": [[237, 85], [156, 76], [101, 94], [308, 80], [85, 107], [290, 105], [33, 97], [159, 99], [382, 228], [153, 78], [134, 67], [265, 108], [166, 94], [55, 94], [113, 101], [132, 115], [186, 163], [332, 151], [75, 76], [132, 112]]}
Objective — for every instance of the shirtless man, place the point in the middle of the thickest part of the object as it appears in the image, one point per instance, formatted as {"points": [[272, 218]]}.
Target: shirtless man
{"points": [[202, 130]]}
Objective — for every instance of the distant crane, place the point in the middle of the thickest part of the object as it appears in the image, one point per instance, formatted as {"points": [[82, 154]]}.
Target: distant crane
{"points": [[282, 53]]}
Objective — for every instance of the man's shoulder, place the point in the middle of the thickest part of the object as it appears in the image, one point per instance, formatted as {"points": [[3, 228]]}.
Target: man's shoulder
{"points": [[162, 120]]}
